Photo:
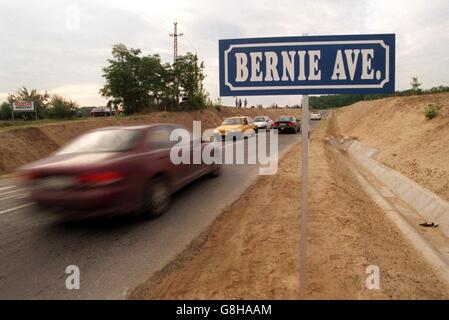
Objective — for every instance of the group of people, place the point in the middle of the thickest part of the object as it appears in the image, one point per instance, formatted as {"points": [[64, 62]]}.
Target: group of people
{"points": [[238, 103]]}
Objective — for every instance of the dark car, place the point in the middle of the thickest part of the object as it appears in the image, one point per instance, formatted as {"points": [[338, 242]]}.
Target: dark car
{"points": [[113, 171], [287, 124], [101, 112]]}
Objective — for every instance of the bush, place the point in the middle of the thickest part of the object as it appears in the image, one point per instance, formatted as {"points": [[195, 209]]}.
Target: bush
{"points": [[5, 111], [431, 111], [61, 108]]}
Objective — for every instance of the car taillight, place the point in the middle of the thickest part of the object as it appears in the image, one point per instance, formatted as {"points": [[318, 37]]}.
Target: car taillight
{"points": [[290, 124], [276, 124], [29, 176], [100, 178]]}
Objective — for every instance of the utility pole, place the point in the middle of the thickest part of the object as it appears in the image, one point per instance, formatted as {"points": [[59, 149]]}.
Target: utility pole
{"points": [[175, 36]]}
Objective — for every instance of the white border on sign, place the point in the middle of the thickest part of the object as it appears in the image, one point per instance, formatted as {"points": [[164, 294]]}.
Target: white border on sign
{"points": [[278, 44]]}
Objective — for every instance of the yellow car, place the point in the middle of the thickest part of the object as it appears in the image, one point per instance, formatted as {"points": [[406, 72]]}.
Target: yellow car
{"points": [[236, 127]]}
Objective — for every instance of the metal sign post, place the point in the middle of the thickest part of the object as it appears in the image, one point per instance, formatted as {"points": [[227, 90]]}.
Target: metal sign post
{"points": [[304, 196]]}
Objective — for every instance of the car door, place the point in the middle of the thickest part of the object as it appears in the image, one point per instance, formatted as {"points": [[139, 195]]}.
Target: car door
{"points": [[269, 122], [251, 124], [159, 144], [195, 168], [247, 125]]}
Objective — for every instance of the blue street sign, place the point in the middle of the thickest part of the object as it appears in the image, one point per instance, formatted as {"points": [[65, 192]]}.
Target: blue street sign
{"points": [[307, 65]]}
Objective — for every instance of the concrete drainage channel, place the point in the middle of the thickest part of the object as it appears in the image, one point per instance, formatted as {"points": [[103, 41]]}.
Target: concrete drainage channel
{"points": [[406, 203]]}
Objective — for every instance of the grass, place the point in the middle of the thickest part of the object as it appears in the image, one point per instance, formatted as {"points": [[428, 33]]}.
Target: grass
{"points": [[431, 111], [25, 123], [9, 124]]}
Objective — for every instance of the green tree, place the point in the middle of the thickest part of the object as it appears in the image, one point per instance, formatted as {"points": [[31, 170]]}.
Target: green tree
{"points": [[61, 108], [189, 74], [132, 80], [155, 77], [40, 100], [167, 86], [138, 81], [415, 84]]}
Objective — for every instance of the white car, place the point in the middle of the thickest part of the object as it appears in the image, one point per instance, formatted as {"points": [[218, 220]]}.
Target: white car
{"points": [[263, 122], [315, 116]]}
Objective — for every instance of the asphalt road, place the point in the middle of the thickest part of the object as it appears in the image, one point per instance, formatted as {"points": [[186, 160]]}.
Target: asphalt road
{"points": [[113, 257]]}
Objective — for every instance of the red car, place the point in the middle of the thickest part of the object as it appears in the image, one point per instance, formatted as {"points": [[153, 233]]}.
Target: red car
{"points": [[287, 124], [101, 112], [113, 171]]}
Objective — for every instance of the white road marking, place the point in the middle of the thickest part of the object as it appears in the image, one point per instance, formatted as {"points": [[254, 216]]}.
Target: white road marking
{"points": [[9, 187], [14, 196], [17, 208], [13, 191]]}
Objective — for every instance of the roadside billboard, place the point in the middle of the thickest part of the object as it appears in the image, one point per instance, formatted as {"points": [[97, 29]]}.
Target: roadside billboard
{"points": [[23, 106]]}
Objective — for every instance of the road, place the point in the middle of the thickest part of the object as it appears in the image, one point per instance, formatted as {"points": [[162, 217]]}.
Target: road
{"points": [[115, 256]]}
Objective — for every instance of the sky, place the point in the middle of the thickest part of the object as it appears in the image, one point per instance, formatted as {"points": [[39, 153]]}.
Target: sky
{"points": [[62, 46]]}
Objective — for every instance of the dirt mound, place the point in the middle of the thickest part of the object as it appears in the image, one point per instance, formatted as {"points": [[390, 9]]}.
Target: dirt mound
{"points": [[21, 145], [407, 140], [252, 250]]}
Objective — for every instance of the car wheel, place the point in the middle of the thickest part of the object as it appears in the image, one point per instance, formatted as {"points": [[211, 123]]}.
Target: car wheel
{"points": [[215, 171], [157, 198]]}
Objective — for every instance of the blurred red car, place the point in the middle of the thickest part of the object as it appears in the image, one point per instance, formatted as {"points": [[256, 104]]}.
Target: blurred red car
{"points": [[112, 171]]}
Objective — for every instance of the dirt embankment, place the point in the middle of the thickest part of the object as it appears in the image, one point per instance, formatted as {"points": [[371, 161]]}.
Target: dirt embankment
{"points": [[408, 142], [252, 250], [25, 144]]}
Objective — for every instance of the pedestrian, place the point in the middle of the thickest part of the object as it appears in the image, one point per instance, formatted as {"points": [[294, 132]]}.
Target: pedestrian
{"points": [[240, 103], [245, 102], [236, 102]]}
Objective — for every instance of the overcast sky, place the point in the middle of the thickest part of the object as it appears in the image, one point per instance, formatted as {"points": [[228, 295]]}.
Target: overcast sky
{"points": [[62, 46]]}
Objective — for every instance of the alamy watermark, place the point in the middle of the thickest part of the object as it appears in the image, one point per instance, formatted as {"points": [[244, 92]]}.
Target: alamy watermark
{"points": [[72, 18], [257, 152], [72, 282], [373, 280]]}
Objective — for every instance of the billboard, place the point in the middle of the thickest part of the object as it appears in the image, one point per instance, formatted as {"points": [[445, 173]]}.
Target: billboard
{"points": [[23, 106]]}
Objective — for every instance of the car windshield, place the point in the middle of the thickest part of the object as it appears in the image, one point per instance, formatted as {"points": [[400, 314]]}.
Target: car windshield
{"points": [[287, 119], [114, 140], [233, 121], [259, 119]]}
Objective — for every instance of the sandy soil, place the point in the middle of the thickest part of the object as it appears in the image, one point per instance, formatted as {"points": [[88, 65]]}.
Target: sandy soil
{"points": [[252, 250], [409, 143], [21, 145]]}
